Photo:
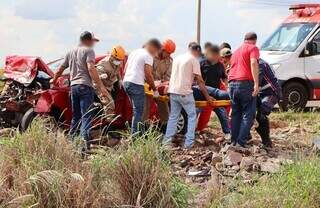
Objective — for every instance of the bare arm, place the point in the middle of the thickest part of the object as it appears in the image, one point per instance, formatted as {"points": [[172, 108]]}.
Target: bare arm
{"points": [[58, 74], [95, 77], [203, 88], [149, 76], [255, 74]]}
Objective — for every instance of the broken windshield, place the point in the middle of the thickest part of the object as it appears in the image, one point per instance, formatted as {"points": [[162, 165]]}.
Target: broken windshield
{"points": [[288, 37]]}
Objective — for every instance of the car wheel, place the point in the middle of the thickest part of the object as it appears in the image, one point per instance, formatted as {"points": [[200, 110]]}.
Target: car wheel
{"points": [[295, 97], [182, 125], [27, 119]]}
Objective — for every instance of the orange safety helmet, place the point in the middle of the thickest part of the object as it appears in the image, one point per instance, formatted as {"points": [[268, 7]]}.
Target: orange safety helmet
{"points": [[118, 52], [169, 46]]}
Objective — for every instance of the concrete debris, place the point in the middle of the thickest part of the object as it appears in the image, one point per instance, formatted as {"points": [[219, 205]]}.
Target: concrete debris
{"points": [[232, 158], [270, 167]]}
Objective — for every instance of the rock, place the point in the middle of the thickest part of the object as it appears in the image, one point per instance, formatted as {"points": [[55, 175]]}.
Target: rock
{"points": [[7, 132], [232, 158], [207, 157], [270, 167], [247, 163], [199, 173], [219, 166], [316, 143], [184, 163], [216, 158], [225, 148], [235, 168]]}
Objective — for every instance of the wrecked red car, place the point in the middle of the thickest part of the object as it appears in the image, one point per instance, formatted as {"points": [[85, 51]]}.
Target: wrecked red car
{"points": [[27, 93], [25, 78]]}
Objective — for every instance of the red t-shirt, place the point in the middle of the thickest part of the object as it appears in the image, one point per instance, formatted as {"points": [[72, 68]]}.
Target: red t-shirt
{"points": [[241, 64]]}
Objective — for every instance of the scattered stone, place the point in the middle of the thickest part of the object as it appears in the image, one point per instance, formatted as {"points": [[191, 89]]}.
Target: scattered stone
{"points": [[247, 163], [185, 163], [270, 167], [207, 157], [216, 158], [232, 158], [235, 168], [316, 143], [199, 173], [219, 166]]}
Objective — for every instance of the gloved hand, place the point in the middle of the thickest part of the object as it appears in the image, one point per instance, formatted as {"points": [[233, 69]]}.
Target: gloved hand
{"points": [[156, 94]]}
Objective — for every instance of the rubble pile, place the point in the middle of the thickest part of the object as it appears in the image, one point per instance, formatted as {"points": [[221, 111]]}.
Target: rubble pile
{"points": [[228, 162]]}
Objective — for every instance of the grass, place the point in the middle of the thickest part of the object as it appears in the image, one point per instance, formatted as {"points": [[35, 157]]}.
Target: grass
{"points": [[41, 169], [297, 185], [1, 83]]}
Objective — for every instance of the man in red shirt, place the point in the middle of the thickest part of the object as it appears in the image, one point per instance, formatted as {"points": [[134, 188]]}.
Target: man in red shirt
{"points": [[244, 87]]}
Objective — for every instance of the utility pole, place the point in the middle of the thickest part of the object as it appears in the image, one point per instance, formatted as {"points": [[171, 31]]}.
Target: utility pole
{"points": [[198, 21]]}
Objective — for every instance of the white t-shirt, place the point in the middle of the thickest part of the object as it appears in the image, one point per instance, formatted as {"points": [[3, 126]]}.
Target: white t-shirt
{"points": [[184, 69], [135, 66]]}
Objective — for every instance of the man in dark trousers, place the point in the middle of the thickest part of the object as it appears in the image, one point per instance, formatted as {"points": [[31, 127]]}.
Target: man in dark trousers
{"points": [[244, 88], [269, 96], [81, 61], [213, 73]]}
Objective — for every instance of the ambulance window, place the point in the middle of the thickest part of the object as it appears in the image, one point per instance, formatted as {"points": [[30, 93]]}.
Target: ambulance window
{"points": [[316, 44]]}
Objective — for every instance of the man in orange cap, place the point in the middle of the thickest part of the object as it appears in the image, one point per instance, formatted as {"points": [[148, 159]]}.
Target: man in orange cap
{"points": [[161, 72], [108, 69]]}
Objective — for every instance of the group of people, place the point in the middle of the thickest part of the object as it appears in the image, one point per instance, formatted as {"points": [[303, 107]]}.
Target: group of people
{"points": [[213, 74]]}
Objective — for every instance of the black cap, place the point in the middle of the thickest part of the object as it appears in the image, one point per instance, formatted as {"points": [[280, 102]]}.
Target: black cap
{"points": [[86, 35]]}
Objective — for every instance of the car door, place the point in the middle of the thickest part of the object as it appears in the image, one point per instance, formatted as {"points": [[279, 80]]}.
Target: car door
{"points": [[312, 64]]}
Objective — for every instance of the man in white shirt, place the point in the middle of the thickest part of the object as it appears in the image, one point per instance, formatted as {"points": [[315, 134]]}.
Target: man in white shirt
{"points": [[138, 71], [185, 69]]}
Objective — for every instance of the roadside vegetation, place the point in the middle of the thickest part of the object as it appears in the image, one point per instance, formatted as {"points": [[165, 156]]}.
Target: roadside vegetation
{"points": [[41, 168], [1, 83], [297, 185]]}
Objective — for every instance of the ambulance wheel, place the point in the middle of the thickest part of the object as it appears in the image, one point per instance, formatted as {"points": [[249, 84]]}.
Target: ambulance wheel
{"points": [[295, 97], [27, 119]]}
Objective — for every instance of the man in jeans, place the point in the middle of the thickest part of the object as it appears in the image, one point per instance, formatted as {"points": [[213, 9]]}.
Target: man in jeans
{"points": [[138, 70], [213, 73], [185, 69], [81, 62], [244, 87]]}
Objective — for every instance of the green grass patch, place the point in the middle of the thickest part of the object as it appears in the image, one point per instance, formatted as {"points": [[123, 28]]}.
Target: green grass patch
{"points": [[297, 185]]}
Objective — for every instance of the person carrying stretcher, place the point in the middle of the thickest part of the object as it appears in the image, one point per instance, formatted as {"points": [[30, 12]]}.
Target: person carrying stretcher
{"points": [[108, 70]]}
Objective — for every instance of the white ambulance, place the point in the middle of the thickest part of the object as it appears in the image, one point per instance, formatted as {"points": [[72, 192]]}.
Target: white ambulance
{"points": [[293, 51]]}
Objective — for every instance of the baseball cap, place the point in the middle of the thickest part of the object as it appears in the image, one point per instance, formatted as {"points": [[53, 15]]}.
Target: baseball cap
{"points": [[225, 52], [86, 35]]}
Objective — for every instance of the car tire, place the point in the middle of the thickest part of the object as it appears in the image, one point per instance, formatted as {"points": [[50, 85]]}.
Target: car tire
{"points": [[27, 119], [295, 97], [182, 125]]}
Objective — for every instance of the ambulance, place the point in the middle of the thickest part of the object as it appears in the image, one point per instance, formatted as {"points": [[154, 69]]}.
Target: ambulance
{"points": [[293, 51]]}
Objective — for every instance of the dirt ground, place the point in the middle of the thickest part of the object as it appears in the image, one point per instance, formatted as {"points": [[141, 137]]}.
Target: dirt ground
{"points": [[214, 162]]}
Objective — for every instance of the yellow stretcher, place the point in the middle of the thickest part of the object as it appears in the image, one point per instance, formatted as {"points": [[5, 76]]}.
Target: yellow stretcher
{"points": [[199, 104]]}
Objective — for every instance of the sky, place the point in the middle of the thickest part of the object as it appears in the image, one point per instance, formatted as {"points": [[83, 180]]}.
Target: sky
{"points": [[49, 28]]}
